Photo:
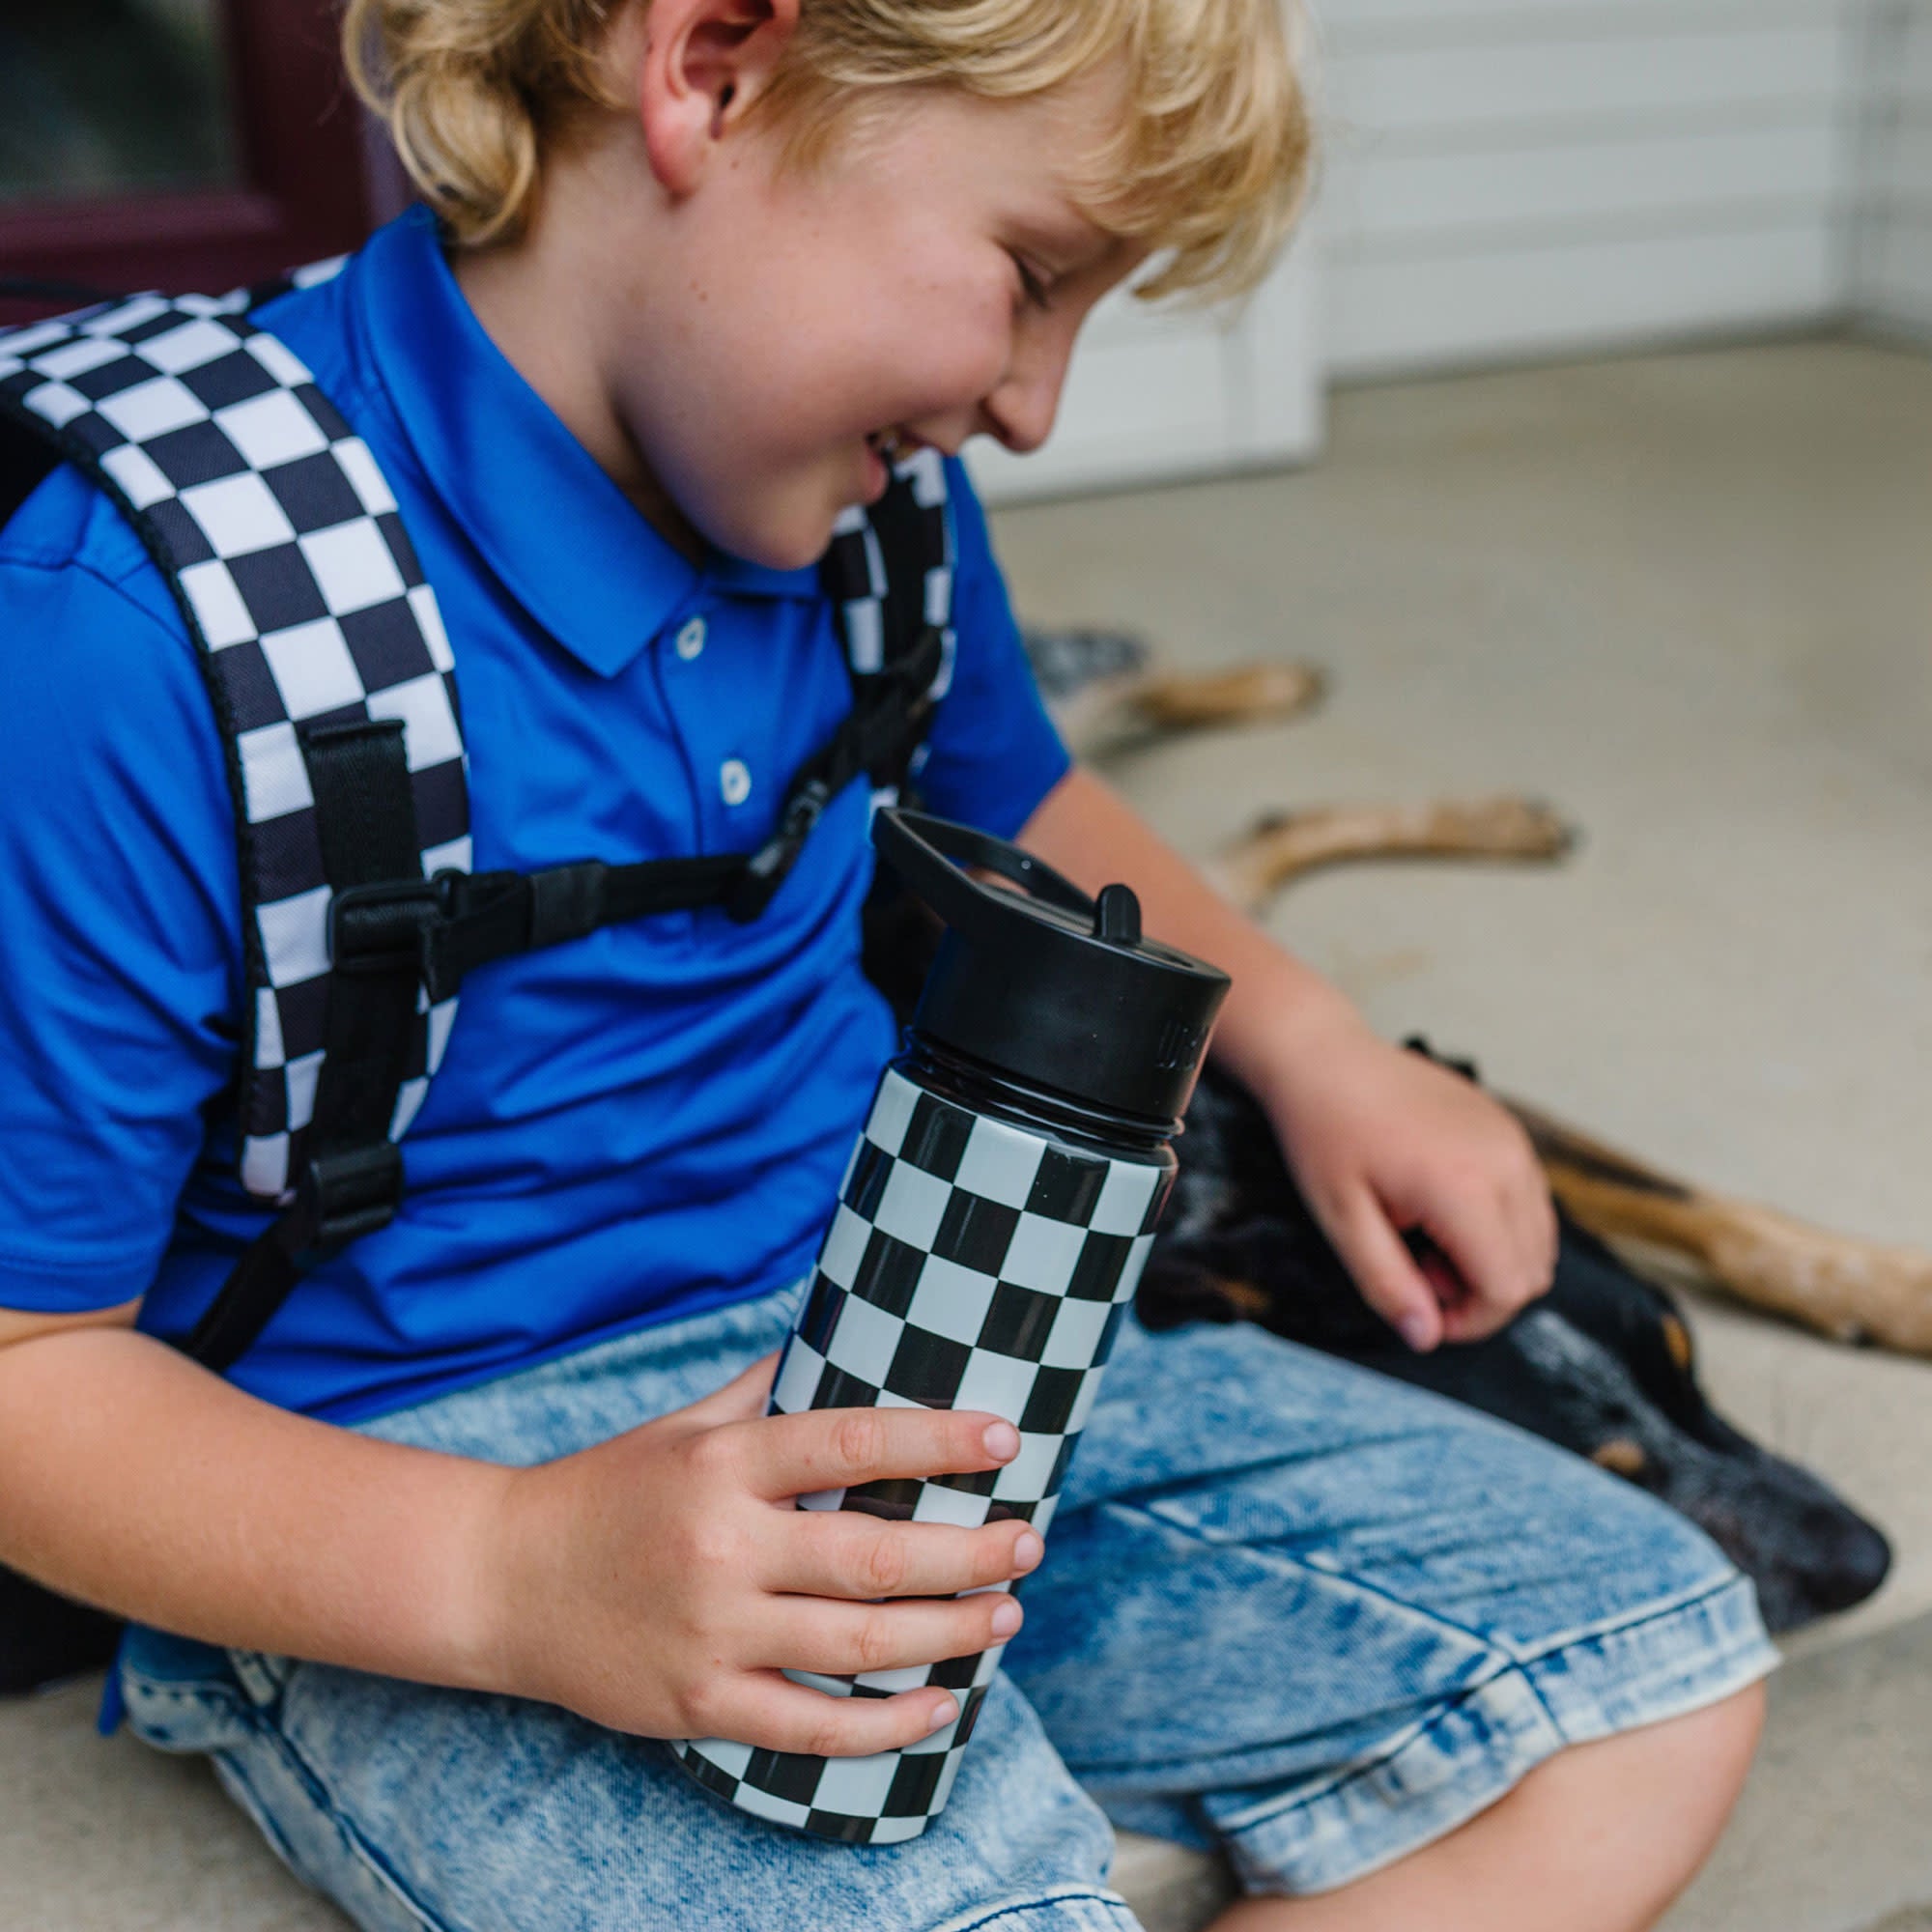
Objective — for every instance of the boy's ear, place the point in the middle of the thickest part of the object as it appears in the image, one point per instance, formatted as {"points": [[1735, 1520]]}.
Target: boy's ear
{"points": [[704, 62]]}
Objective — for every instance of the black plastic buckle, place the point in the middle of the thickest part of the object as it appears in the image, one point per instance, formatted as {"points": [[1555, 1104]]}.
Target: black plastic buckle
{"points": [[347, 1194], [567, 902], [381, 928], [767, 868]]}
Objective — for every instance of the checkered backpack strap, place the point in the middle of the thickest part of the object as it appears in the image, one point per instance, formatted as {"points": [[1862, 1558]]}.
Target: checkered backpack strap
{"points": [[888, 573], [332, 681]]}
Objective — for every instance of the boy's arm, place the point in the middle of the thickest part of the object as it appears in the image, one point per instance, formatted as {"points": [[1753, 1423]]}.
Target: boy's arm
{"points": [[137, 1480], [1381, 1141], [140, 1481]]}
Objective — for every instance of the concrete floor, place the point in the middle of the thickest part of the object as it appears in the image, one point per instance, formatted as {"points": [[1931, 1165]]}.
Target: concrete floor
{"points": [[1687, 597], [1834, 1830]]}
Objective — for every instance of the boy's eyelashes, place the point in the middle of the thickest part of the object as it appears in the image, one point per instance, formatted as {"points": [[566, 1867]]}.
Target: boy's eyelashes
{"points": [[1033, 285]]}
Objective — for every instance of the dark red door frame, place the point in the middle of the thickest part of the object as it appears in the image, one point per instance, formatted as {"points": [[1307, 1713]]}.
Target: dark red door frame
{"points": [[312, 179]]}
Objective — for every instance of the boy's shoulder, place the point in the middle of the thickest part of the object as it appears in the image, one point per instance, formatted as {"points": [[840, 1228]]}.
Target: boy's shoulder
{"points": [[68, 525]]}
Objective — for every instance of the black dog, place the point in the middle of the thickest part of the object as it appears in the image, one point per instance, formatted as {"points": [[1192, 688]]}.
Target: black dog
{"points": [[1602, 1365]]}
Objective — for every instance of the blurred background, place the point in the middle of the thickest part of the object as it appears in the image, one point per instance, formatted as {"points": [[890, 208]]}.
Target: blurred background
{"points": [[1584, 440]]}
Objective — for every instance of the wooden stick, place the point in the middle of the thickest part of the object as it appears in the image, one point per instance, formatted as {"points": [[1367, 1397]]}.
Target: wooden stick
{"points": [[1282, 849], [1848, 1289], [1127, 702], [1171, 701]]}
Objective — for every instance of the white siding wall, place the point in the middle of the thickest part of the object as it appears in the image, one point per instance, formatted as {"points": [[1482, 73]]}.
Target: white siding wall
{"points": [[1536, 177], [1894, 259], [1522, 178]]}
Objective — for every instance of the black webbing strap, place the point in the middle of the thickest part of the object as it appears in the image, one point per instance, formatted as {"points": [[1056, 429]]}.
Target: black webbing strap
{"points": [[472, 918], [888, 716], [352, 1180], [461, 921]]}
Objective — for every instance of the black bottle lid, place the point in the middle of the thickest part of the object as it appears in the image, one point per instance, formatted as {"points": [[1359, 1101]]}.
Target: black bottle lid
{"points": [[1047, 985]]}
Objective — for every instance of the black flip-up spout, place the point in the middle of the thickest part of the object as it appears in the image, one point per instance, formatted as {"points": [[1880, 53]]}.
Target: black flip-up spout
{"points": [[1046, 985]]}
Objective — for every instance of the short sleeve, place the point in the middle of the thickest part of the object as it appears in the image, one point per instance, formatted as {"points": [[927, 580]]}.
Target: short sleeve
{"points": [[120, 907], [994, 753]]}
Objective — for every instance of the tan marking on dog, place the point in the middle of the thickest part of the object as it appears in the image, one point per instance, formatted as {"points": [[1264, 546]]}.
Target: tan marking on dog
{"points": [[1621, 1457], [1249, 1302], [1677, 1339]]}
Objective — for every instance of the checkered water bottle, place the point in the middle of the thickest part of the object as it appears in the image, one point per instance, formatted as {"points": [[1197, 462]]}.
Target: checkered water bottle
{"points": [[987, 1241]]}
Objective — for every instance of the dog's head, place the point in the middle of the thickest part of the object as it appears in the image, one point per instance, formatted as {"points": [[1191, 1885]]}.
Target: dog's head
{"points": [[1603, 1366]]}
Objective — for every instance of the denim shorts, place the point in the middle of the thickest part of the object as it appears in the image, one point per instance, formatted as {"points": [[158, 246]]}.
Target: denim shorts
{"points": [[1288, 1608]]}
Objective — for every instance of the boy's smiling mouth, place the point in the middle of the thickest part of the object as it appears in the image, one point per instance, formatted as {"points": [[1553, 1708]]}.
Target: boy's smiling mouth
{"points": [[884, 448], [895, 445]]}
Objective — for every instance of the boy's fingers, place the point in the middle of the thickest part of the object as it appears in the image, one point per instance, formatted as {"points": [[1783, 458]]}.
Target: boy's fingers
{"points": [[1486, 1250], [843, 1640], [1390, 1282], [769, 1711], [835, 1448], [846, 1554]]}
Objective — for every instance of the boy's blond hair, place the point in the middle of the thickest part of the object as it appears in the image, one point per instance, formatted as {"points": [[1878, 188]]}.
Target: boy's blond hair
{"points": [[1208, 167]]}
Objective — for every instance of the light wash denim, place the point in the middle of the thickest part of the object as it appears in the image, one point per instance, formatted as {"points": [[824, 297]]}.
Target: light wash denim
{"points": [[1287, 1608]]}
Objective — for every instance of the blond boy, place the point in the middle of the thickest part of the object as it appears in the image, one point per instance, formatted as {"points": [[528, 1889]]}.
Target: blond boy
{"points": [[493, 1507]]}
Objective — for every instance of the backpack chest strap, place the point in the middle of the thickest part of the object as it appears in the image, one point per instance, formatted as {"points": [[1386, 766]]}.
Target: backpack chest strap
{"points": [[437, 931], [401, 946]]}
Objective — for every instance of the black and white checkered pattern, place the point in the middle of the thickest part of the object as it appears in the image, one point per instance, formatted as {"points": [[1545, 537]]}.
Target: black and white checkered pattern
{"points": [[307, 601], [971, 1264], [855, 577]]}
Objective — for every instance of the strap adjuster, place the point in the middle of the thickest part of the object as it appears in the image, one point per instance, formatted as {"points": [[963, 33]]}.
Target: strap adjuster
{"points": [[768, 867], [344, 1195], [381, 928]]}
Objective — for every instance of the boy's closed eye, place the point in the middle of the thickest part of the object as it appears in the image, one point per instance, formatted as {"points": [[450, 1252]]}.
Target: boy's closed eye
{"points": [[1036, 288]]}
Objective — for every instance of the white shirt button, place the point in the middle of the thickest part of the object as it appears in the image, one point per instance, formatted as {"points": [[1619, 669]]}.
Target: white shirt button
{"points": [[690, 639], [734, 782]]}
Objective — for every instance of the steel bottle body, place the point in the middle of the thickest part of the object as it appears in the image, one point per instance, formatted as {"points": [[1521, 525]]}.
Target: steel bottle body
{"points": [[985, 1247]]}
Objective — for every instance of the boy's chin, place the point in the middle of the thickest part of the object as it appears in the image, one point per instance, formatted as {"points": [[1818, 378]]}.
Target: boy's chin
{"points": [[785, 530]]}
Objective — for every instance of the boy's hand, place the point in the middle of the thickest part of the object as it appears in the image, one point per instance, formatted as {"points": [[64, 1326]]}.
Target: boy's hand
{"points": [[660, 1582], [1385, 1144]]}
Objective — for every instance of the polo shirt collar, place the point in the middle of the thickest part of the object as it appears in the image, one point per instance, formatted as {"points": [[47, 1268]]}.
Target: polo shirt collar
{"points": [[565, 541]]}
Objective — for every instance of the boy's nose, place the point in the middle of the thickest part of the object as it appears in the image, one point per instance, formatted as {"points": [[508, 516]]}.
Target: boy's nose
{"points": [[1020, 411], [1021, 414]]}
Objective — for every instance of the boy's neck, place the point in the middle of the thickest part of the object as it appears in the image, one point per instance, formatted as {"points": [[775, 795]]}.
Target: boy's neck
{"points": [[540, 299]]}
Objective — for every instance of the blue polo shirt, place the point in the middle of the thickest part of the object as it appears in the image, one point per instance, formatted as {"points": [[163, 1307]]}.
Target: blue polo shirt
{"points": [[630, 1128]]}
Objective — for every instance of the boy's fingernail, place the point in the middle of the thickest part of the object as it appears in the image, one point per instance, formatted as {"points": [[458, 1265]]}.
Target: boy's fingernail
{"points": [[1002, 1440], [1006, 1620], [1417, 1331], [943, 1713], [1028, 1550]]}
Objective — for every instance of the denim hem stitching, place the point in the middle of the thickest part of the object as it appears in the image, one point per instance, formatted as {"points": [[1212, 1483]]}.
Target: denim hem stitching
{"points": [[1060, 1895]]}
